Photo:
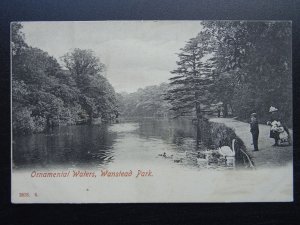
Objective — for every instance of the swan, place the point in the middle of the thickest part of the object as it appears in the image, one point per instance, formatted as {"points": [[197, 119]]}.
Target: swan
{"points": [[178, 160], [227, 151]]}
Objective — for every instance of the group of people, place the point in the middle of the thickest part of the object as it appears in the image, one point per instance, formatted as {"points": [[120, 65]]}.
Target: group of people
{"points": [[279, 132]]}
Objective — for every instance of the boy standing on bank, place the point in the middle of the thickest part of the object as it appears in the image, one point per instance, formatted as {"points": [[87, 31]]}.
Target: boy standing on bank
{"points": [[254, 130]]}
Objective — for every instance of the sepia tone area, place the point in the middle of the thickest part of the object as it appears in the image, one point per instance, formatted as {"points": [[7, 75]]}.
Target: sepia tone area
{"points": [[212, 104]]}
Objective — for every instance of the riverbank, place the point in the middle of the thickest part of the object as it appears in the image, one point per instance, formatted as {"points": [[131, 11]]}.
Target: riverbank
{"points": [[89, 164], [268, 155]]}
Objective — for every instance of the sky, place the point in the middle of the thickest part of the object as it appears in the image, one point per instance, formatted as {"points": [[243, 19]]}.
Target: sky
{"points": [[136, 53]]}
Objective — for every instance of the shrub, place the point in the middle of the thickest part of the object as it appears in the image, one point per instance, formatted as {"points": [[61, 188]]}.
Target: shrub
{"points": [[217, 134], [22, 122], [39, 124], [221, 135]]}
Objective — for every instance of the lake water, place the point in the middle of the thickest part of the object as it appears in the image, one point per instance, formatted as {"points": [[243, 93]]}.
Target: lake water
{"points": [[138, 142], [135, 145]]}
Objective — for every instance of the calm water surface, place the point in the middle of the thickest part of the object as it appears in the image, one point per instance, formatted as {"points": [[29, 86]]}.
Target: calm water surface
{"points": [[130, 142]]}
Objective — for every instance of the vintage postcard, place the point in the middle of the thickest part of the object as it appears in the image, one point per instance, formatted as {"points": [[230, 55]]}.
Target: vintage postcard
{"points": [[151, 111]]}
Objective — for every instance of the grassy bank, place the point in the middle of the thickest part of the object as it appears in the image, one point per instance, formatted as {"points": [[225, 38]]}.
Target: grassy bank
{"points": [[215, 135]]}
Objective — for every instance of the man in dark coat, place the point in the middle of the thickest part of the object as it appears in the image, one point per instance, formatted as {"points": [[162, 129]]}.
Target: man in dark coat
{"points": [[254, 130]]}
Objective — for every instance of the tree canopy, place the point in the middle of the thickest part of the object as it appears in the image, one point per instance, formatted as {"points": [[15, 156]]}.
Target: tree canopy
{"points": [[190, 87], [145, 102], [245, 65], [44, 94]]}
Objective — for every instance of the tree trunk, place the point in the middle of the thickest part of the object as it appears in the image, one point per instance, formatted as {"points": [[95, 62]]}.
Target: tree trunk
{"points": [[199, 116], [225, 110], [49, 123], [90, 119], [231, 108]]}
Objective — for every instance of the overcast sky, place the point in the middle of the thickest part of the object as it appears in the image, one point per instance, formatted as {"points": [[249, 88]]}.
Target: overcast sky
{"points": [[136, 53]]}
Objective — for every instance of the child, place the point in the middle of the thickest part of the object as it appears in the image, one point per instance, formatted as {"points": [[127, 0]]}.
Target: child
{"points": [[273, 123], [278, 132]]}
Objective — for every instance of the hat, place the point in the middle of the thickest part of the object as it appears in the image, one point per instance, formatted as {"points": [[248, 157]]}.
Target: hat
{"points": [[254, 114], [273, 109]]}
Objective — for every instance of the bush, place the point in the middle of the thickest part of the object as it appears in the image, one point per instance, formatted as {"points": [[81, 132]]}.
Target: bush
{"points": [[39, 124], [216, 135], [23, 122], [221, 135]]}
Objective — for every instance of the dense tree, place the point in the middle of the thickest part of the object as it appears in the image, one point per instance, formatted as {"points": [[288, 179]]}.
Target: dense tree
{"points": [[189, 88], [189, 91], [249, 64], [253, 63], [244, 65], [45, 95], [17, 39], [145, 102], [84, 66], [97, 96], [33, 82]]}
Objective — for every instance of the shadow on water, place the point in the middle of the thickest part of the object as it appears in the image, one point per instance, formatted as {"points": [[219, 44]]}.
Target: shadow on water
{"points": [[132, 142], [168, 129], [179, 134], [69, 146]]}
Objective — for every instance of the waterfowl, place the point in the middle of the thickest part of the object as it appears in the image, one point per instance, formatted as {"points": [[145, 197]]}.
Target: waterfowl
{"points": [[170, 156], [178, 160], [226, 151], [165, 155]]}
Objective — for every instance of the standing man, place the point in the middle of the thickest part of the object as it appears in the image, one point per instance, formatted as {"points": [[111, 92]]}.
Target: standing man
{"points": [[254, 130]]}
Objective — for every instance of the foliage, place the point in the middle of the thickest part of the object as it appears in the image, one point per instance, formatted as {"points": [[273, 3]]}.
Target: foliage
{"points": [[46, 95], [17, 39], [248, 64], [252, 66], [146, 102], [97, 96], [218, 135], [190, 85]]}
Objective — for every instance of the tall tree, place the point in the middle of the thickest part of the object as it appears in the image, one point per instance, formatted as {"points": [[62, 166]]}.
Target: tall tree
{"points": [[97, 96], [45, 95], [17, 39], [189, 92], [145, 102], [253, 62]]}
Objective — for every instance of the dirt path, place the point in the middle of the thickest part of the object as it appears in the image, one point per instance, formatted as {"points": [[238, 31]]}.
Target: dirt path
{"points": [[267, 155]]}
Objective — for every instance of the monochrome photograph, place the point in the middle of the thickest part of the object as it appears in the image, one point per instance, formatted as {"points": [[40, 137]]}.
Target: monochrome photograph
{"points": [[151, 111]]}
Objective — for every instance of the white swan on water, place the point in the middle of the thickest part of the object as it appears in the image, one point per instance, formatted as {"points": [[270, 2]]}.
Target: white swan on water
{"points": [[227, 151]]}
